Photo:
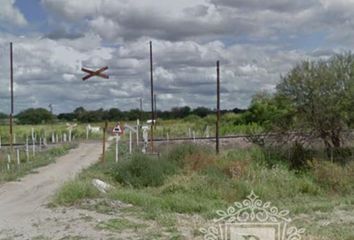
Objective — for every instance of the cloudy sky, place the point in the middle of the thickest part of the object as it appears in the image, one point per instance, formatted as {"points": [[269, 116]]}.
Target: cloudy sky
{"points": [[255, 40]]}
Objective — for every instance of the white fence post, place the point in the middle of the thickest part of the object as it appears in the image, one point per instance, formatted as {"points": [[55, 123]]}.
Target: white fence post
{"points": [[18, 156], [8, 161], [130, 142], [33, 147], [70, 131], [117, 147], [27, 151], [137, 132]]}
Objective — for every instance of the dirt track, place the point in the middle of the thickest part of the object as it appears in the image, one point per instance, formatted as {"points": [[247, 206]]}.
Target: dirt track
{"points": [[22, 203]]}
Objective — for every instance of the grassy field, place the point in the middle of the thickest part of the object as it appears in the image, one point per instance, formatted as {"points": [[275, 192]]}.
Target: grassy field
{"points": [[21, 132], [173, 195]]}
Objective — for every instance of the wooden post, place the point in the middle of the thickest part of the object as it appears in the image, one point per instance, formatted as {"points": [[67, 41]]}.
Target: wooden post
{"points": [[104, 141], [152, 100], [12, 97], [130, 142], [217, 105]]}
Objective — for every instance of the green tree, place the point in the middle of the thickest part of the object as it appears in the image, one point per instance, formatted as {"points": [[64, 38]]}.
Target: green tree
{"points": [[273, 112], [321, 94], [35, 116]]}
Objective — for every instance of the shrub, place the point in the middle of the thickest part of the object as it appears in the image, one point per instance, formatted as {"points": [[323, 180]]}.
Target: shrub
{"points": [[143, 171], [178, 153]]}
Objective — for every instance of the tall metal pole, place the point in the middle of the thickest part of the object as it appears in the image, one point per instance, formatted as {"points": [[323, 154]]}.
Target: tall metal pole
{"points": [[217, 105], [12, 96], [152, 100]]}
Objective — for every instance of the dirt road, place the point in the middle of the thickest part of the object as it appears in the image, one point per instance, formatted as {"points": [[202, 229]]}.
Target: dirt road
{"points": [[22, 203]]}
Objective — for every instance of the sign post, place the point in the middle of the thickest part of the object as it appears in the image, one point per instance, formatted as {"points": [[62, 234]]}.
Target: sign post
{"points": [[118, 131], [98, 73], [104, 141]]}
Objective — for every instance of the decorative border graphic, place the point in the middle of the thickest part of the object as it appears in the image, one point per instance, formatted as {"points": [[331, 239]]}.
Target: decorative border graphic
{"points": [[249, 212]]}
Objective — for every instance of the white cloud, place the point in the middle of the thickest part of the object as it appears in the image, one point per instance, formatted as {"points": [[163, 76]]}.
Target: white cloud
{"points": [[10, 15], [255, 41]]}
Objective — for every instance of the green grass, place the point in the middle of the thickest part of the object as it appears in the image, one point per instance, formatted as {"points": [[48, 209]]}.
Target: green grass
{"points": [[189, 179], [74, 191]]}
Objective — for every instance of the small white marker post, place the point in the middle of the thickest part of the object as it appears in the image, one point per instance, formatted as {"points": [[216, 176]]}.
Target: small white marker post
{"points": [[64, 137], [40, 144], [53, 138], [70, 134], [189, 133], [130, 142], [137, 132], [32, 133], [8, 161], [207, 131], [18, 156], [33, 147], [194, 136], [56, 138], [15, 138], [117, 147], [145, 137], [87, 132], [27, 151]]}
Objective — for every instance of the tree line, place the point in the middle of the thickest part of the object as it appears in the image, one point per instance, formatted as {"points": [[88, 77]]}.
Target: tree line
{"points": [[80, 114]]}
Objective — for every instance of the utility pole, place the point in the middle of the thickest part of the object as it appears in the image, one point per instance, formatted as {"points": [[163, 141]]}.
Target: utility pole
{"points": [[217, 105], [12, 96], [141, 109], [152, 100], [155, 108]]}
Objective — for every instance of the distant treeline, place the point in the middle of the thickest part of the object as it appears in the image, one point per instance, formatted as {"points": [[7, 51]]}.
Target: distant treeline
{"points": [[80, 114]]}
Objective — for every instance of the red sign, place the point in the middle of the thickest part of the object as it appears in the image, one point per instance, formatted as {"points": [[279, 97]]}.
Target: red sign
{"points": [[117, 129]]}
